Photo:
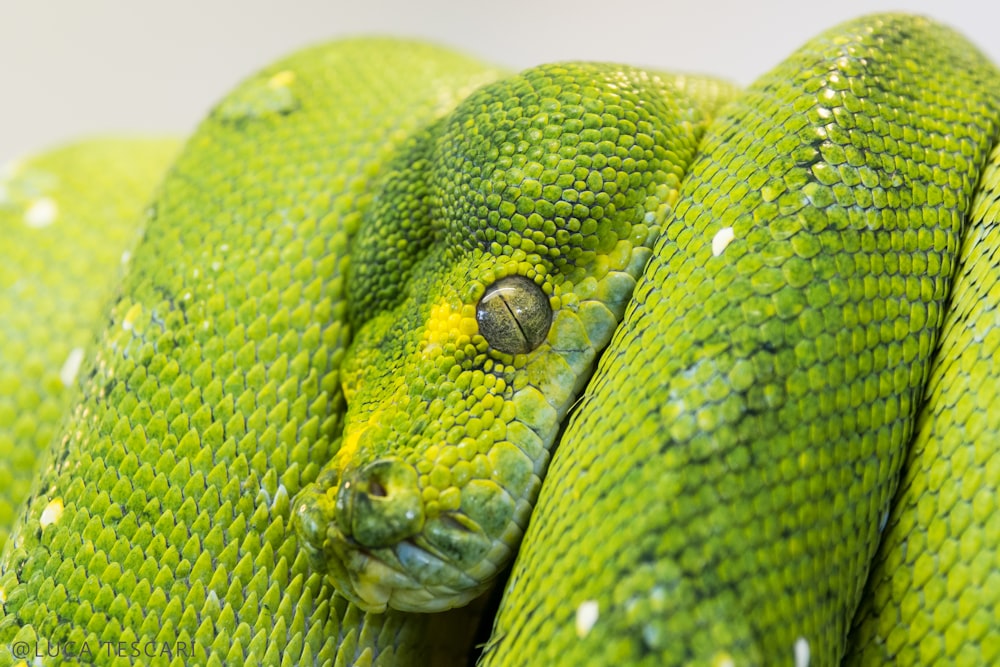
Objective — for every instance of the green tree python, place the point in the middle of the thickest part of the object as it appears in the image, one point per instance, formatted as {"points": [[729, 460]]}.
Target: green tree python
{"points": [[369, 297]]}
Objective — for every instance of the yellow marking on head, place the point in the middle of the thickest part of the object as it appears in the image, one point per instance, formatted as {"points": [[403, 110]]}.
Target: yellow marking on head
{"points": [[353, 433], [349, 445], [446, 324], [282, 79]]}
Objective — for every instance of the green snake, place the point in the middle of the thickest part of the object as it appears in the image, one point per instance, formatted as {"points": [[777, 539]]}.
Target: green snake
{"points": [[383, 284]]}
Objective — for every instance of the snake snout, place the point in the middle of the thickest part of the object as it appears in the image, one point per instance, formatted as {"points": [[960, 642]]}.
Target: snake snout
{"points": [[379, 504]]}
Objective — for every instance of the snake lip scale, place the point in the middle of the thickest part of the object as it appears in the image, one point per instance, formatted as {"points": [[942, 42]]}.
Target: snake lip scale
{"points": [[381, 576]]}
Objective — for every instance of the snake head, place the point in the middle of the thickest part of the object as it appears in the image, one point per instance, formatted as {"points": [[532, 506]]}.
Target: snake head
{"points": [[383, 550], [491, 268]]}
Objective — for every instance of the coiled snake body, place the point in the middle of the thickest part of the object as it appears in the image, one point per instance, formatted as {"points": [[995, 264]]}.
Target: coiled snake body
{"points": [[378, 278]]}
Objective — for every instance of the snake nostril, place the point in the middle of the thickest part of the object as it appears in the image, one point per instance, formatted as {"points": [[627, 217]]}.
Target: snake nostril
{"points": [[380, 503]]}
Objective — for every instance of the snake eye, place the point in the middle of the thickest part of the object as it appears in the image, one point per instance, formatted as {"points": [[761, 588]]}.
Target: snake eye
{"points": [[514, 315]]}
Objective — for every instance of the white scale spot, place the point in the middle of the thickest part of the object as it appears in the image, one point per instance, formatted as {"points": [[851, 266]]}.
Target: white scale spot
{"points": [[586, 617], [41, 213], [71, 366], [721, 240], [801, 652], [126, 256], [52, 513], [280, 494], [133, 314]]}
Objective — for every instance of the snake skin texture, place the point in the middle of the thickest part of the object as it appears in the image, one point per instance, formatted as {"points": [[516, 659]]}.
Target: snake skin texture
{"points": [[213, 396], [62, 276], [559, 177], [766, 378], [351, 364], [934, 592]]}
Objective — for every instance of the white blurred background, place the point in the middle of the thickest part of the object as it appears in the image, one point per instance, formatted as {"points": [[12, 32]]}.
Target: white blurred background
{"points": [[96, 66]]}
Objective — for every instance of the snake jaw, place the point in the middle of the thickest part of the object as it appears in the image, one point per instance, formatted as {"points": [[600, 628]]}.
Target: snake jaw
{"points": [[408, 576], [376, 580], [448, 562]]}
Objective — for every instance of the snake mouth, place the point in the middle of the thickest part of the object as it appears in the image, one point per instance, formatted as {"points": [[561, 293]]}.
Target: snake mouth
{"points": [[412, 575], [400, 558]]}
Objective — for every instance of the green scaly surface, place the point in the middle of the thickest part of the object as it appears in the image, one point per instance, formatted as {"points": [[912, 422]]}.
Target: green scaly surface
{"points": [[213, 395], [934, 592], [727, 472], [720, 491], [561, 175], [67, 220]]}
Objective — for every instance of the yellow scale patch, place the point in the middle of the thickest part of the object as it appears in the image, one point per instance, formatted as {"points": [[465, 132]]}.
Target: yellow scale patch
{"points": [[448, 325]]}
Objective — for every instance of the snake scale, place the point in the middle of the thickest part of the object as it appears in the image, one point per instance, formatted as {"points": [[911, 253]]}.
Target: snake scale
{"points": [[383, 284]]}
